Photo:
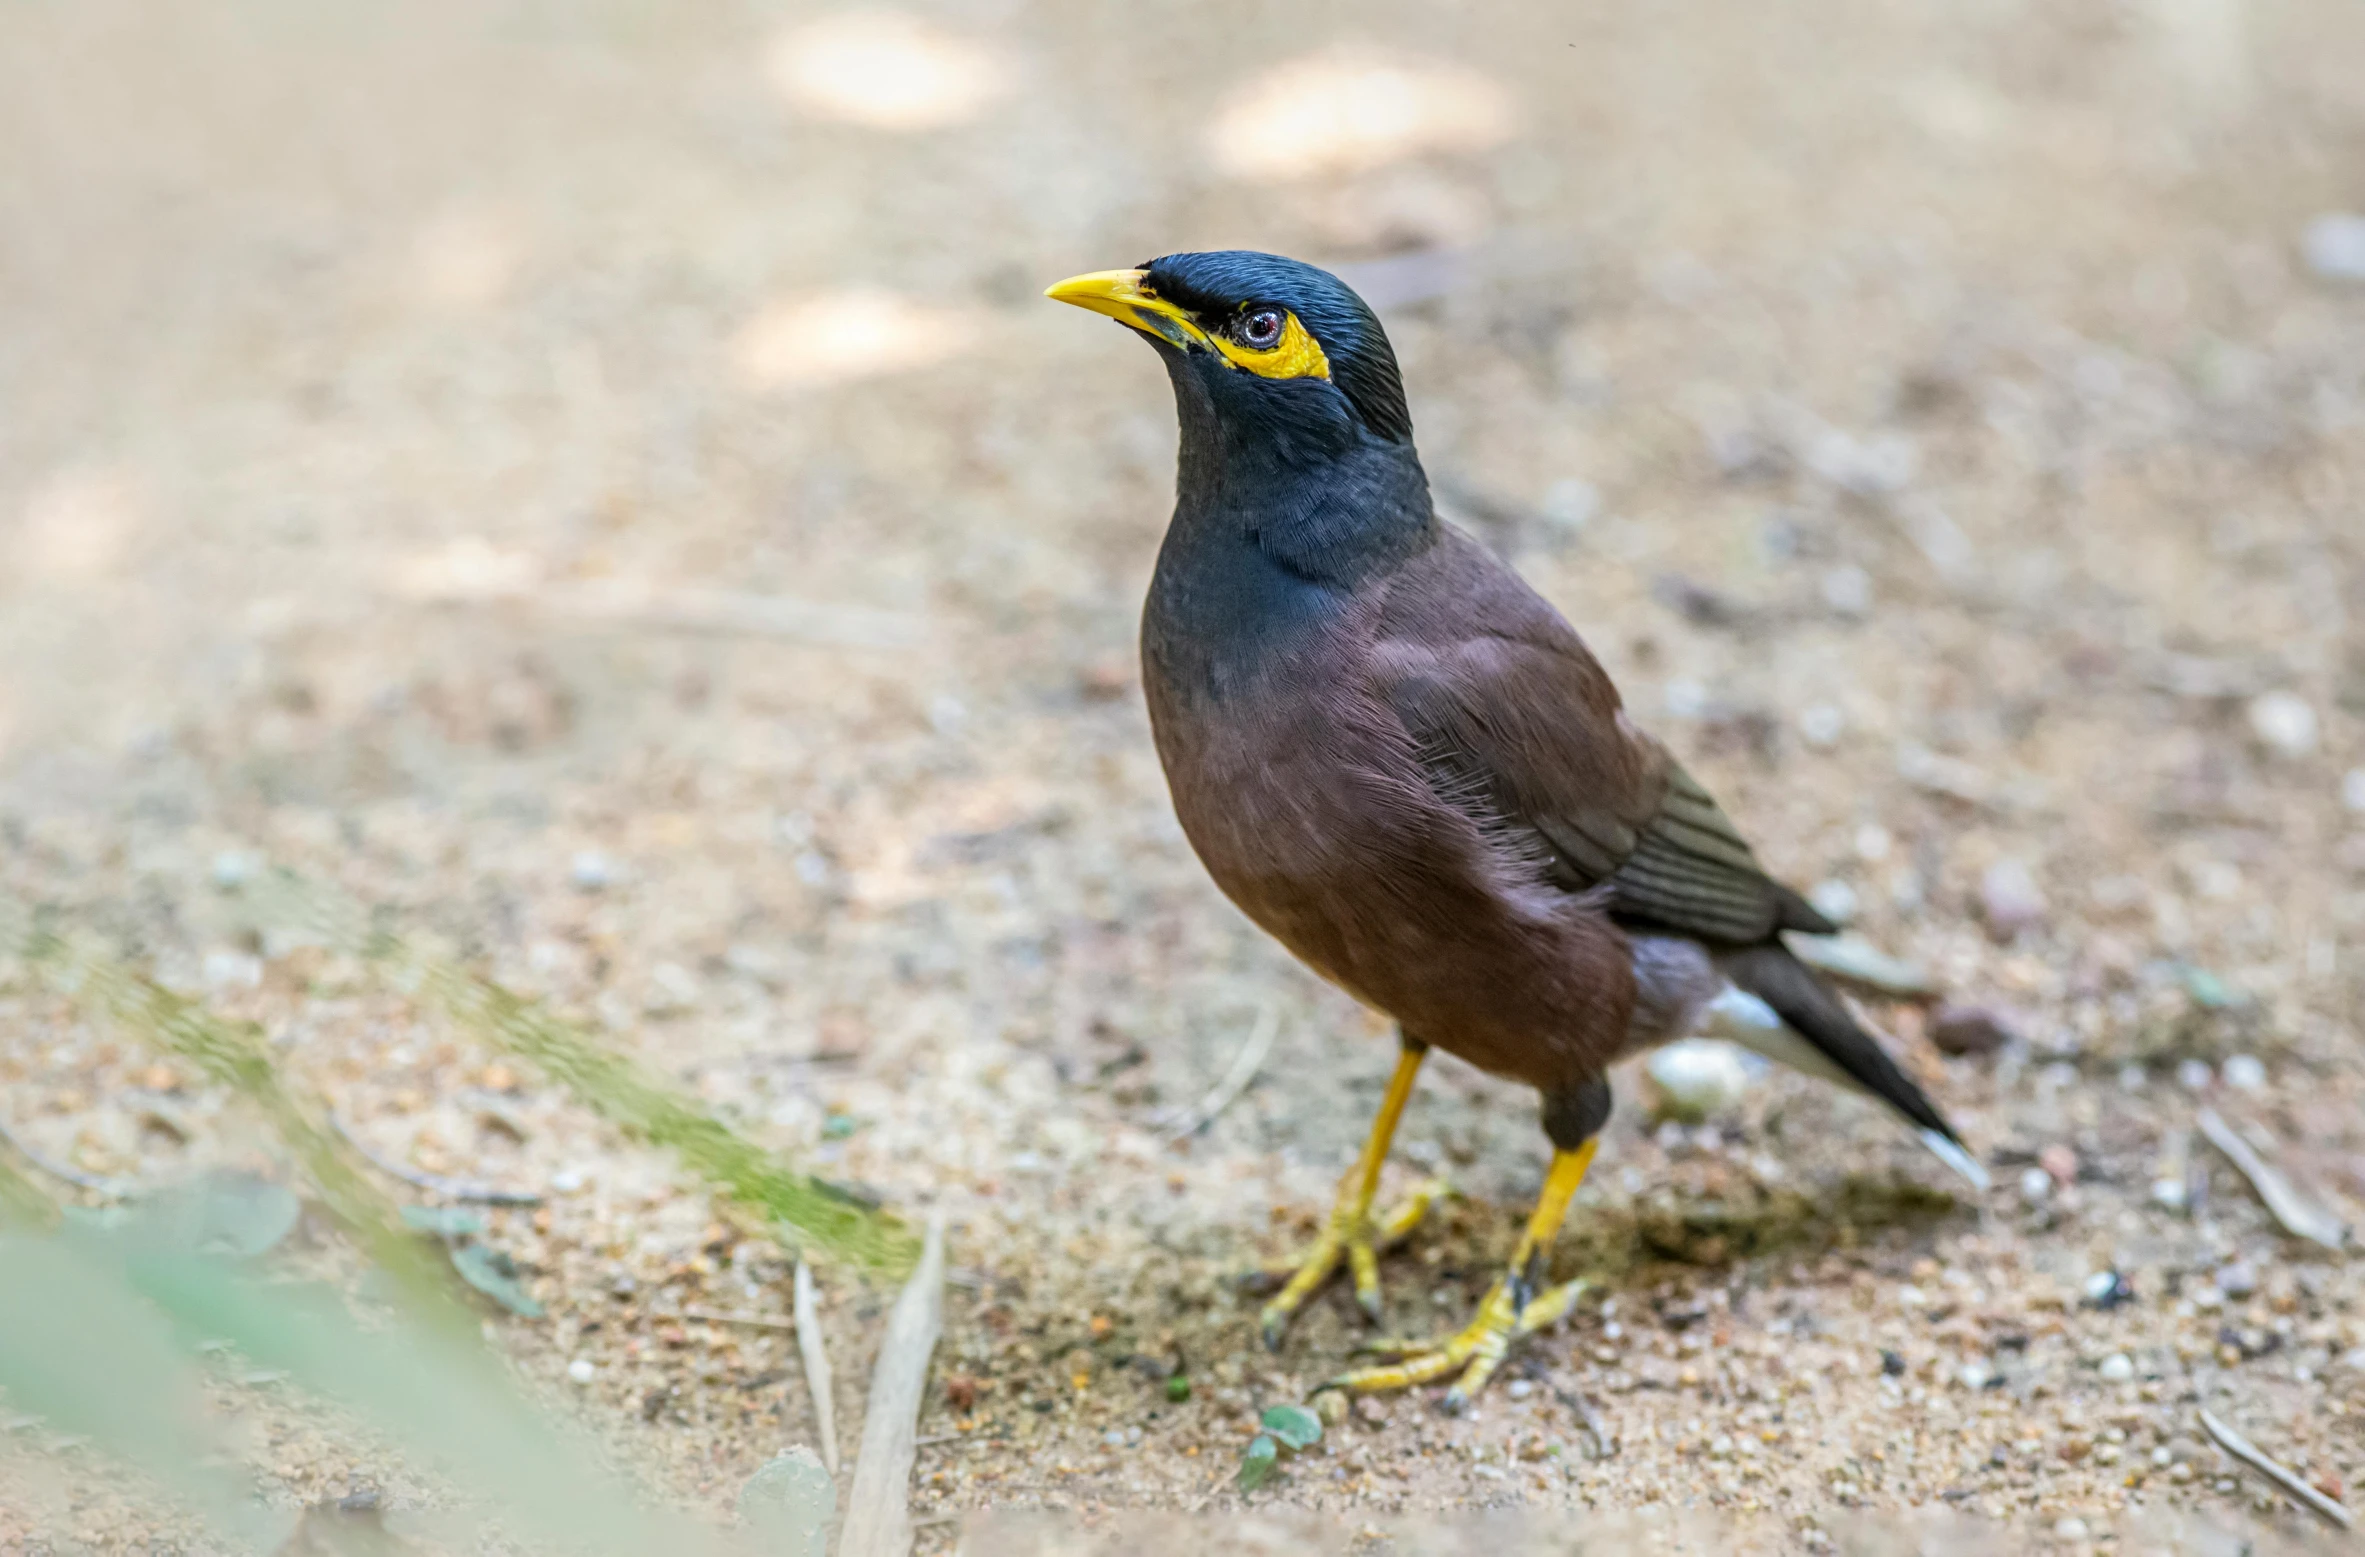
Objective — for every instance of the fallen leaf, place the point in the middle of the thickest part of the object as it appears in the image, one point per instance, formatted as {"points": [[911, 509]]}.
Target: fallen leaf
{"points": [[789, 1504], [1258, 1463], [494, 1274], [446, 1222], [1295, 1426]]}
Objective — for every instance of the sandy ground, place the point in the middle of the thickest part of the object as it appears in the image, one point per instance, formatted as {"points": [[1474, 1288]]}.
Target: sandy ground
{"points": [[423, 466]]}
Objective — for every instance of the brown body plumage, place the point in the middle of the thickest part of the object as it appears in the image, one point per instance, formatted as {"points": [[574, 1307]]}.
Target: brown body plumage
{"points": [[1316, 808]]}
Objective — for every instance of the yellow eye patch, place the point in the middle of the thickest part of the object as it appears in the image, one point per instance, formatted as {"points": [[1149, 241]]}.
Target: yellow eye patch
{"points": [[1124, 297], [1296, 355]]}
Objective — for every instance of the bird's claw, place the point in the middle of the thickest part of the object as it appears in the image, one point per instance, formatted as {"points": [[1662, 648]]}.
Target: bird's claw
{"points": [[1477, 1350], [1356, 1237]]}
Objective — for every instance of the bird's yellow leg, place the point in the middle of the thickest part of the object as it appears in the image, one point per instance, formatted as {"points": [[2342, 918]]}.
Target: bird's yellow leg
{"points": [[1353, 1233], [1512, 1307]]}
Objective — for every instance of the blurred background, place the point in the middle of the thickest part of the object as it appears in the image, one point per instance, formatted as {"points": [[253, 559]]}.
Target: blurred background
{"points": [[601, 480]]}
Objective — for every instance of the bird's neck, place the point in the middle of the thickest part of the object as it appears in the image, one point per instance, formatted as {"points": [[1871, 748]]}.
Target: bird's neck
{"points": [[1319, 498], [1273, 533]]}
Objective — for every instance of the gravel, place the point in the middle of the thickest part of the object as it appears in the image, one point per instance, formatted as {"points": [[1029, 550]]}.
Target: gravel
{"points": [[2034, 470], [2334, 246]]}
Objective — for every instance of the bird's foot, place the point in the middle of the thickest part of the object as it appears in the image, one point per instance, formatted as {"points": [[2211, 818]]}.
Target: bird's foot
{"points": [[1353, 1234], [1507, 1313]]}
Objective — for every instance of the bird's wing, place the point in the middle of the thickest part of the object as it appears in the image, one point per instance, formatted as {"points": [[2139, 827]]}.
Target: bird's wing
{"points": [[1519, 726]]}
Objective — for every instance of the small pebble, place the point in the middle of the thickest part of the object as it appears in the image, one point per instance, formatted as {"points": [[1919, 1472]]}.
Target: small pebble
{"points": [[1847, 589], [232, 869], [2108, 1289], [2009, 900], [1977, 1373], [590, 871], [2285, 723], [1970, 1029], [2245, 1073], [2334, 246], [2238, 1279], [2352, 789], [581, 1370], [2035, 1185], [2060, 1162], [1834, 899], [2195, 1075], [1697, 1077], [233, 970], [2070, 1529], [1821, 725], [2117, 1368], [1519, 1389], [1570, 503], [2170, 1194]]}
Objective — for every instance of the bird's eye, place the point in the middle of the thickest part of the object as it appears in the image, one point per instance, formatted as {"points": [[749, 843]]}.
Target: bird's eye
{"points": [[1261, 329]]}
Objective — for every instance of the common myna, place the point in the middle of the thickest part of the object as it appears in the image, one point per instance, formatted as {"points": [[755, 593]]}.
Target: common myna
{"points": [[1402, 762]]}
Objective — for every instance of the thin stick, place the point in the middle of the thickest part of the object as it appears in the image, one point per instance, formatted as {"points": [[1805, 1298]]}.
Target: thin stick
{"points": [[1245, 1065], [2286, 1481], [2288, 1206], [433, 1183], [1855, 960], [878, 1506], [112, 1189], [1222, 1478], [813, 1347], [1590, 1420], [717, 1316]]}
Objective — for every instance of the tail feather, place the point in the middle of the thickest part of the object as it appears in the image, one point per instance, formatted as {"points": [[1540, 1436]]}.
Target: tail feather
{"points": [[1808, 1006]]}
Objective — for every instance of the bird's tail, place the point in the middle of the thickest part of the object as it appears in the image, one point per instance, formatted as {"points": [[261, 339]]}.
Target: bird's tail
{"points": [[1835, 1045]]}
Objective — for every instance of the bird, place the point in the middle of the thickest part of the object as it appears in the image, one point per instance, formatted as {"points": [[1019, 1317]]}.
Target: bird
{"points": [[1402, 762]]}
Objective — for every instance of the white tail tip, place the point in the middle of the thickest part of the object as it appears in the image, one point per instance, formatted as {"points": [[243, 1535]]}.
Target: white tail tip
{"points": [[1955, 1157]]}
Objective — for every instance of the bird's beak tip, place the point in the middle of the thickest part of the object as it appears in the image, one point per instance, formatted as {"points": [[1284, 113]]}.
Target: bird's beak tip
{"points": [[1097, 287], [1121, 295]]}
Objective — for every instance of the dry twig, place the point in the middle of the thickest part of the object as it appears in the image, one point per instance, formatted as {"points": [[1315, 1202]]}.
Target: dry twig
{"points": [[2286, 1481], [112, 1189], [813, 1347], [878, 1506], [1855, 960], [1244, 1067], [433, 1183], [2288, 1206], [721, 1316]]}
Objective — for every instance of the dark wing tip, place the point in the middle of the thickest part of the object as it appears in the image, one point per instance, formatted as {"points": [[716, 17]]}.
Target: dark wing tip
{"points": [[1794, 912]]}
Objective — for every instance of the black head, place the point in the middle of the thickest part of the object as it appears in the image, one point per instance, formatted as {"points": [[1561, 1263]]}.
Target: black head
{"points": [[1296, 466], [1276, 344]]}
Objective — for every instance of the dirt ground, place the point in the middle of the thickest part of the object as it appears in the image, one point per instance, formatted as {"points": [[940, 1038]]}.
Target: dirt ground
{"points": [[424, 464]]}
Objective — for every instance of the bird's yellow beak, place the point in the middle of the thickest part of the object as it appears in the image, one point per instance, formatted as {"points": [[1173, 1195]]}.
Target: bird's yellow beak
{"points": [[1121, 295]]}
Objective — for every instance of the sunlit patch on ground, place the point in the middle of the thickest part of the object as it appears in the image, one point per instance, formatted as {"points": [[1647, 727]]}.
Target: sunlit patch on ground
{"points": [[465, 259], [1353, 110], [886, 69], [835, 337], [76, 526]]}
